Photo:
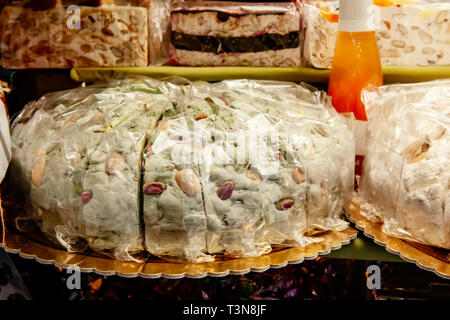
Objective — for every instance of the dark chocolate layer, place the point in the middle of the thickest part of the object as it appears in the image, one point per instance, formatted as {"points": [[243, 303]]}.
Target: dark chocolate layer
{"points": [[263, 42]]}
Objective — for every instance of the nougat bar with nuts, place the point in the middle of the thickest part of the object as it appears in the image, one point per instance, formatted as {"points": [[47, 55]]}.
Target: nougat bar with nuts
{"points": [[235, 34], [406, 173], [173, 211], [233, 202], [407, 35], [77, 162], [221, 172], [56, 38]]}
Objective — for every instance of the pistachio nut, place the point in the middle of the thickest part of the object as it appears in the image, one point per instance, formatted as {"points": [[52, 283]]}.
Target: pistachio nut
{"points": [[188, 182], [225, 190]]}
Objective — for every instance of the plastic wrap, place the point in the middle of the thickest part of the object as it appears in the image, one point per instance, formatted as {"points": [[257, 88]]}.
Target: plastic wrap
{"points": [[159, 30], [309, 139], [408, 34], [235, 34], [406, 170], [5, 138], [76, 161], [227, 168], [71, 34]]}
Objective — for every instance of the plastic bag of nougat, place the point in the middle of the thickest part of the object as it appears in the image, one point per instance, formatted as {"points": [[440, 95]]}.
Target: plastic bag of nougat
{"points": [[79, 152], [405, 179], [76, 163], [305, 119]]}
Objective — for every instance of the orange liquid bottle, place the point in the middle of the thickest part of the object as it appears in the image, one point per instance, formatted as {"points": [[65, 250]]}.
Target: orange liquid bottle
{"points": [[356, 65]]}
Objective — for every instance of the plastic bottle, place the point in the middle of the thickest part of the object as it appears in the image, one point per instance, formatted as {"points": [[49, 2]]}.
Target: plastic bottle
{"points": [[356, 64]]}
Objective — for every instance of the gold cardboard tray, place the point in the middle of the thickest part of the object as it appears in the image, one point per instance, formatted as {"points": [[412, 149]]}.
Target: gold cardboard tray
{"points": [[391, 74], [34, 245], [425, 257]]}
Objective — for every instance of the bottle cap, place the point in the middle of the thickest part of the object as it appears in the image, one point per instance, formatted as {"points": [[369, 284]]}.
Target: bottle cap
{"points": [[357, 15]]}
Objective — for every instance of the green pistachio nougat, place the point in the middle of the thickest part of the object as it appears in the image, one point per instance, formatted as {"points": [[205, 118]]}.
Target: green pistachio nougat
{"points": [[48, 167], [174, 217], [233, 201], [225, 168], [77, 160], [111, 186], [320, 142]]}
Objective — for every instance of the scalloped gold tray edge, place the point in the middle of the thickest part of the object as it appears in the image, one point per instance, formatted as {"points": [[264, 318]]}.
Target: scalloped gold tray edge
{"points": [[28, 248], [397, 246]]}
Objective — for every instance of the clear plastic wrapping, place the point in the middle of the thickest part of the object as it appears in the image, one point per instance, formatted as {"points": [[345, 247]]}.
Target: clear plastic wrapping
{"points": [[72, 34], [5, 138], [405, 180], [159, 30], [183, 170], [76, 161], [214, 33]]}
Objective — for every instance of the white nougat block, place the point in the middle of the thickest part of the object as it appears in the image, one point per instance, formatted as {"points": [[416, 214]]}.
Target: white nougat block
{"points": [[407, 35]]}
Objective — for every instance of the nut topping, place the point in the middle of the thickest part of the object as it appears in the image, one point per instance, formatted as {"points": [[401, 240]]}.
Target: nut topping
{"points": [[253, 174], [426, 37], [441, 16], [408, 49], [201, 116], [107, 32], [86, 48], [100, 47], [384, 34], [38, 168], [390, 53], [117, 52], [77, 158], [284, 204], [149, 150], [165, 124], [188, 182], [402, 29], [153, 188], [428, 50], [86, 196], [416, 151], [225, 190], [298, 176], [116, 162], [398, 43]]}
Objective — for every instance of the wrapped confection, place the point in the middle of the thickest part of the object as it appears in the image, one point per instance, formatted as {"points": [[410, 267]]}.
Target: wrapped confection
{"points": [[159, 30], [406, 173], [408, 34], [184, 170], [54, 37], [299, 185], [76, 161], [173, 210], [317, 133], [235, 34]]}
